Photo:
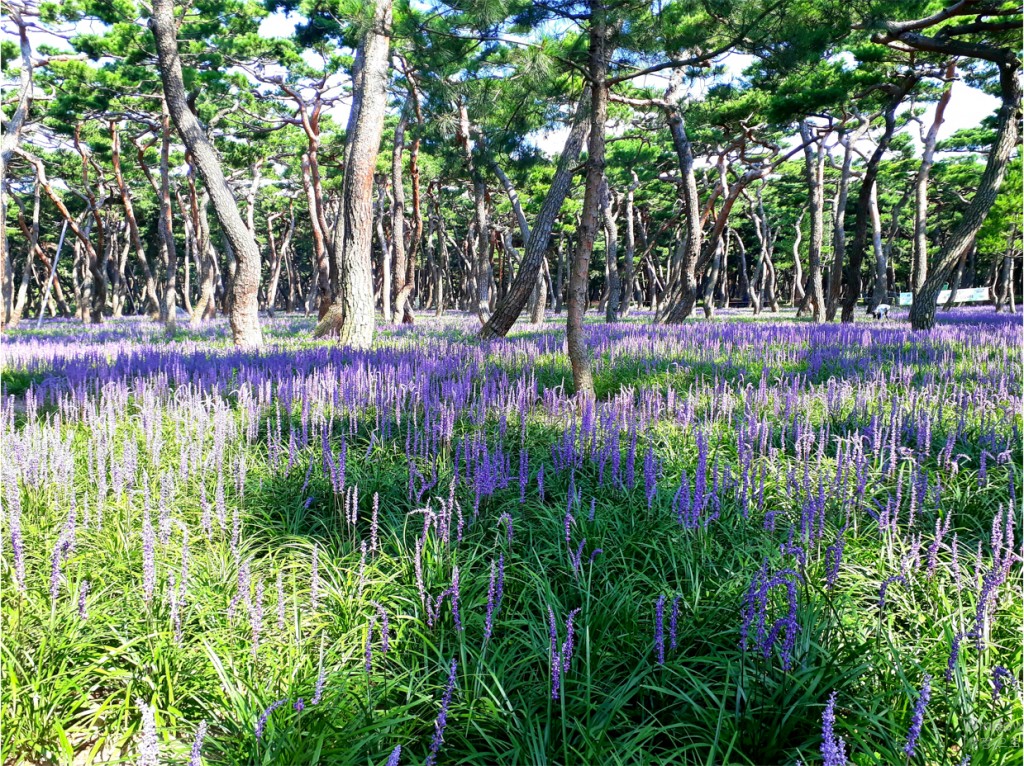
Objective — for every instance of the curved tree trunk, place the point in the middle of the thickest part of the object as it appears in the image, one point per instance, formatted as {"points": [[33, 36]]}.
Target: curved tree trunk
{"points": [[244, 319], [922, 311]]}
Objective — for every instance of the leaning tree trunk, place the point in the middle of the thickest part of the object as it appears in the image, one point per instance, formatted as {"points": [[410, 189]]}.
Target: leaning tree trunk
{"points": [[920, 265], [579, 273], [244, 317], [351, 316], [536, 244], [922, 311]]}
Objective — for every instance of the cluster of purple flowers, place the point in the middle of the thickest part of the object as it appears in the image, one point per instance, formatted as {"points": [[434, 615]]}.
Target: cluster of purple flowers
{"points": [[757, 610]]}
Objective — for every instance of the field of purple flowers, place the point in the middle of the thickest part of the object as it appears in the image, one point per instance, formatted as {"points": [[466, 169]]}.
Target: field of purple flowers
{"points": [[766, 543]]}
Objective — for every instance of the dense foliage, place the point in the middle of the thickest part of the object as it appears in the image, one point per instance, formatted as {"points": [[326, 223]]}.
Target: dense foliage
{"points": [[761, 543]]}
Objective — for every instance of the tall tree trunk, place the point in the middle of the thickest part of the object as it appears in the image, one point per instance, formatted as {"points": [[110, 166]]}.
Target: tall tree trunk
{"points": [[168, 310], [579, 275], [151, 298], [482, 247], [385, 246], [814, 165], [693, 238], [920, 264], [860, 233], [835, 279], [9, 142], [351, 316], [922, 311], [878, 290], [244, 307], [321, 262], [629, 275], [609, 211], [398, 258]]}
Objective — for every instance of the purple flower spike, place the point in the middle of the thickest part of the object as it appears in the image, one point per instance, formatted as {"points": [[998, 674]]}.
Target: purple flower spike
{"points": [[917, 720]]}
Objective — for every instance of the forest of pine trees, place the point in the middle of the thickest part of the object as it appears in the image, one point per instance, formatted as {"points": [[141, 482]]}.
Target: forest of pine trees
{"points": [[504, 158]]}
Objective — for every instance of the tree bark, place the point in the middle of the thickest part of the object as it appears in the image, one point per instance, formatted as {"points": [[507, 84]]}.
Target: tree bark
{"points": [[860, 232], [835, 280], [579, 276], [922, 311], [814, 165], [351, 316], [151, 298], [539, 236], [609, 211], [398, 255], [920, 264], [244, 317], [168, 310]]}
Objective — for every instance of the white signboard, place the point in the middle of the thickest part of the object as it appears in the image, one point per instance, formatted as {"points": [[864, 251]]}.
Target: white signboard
{"points": [[967, 295]]}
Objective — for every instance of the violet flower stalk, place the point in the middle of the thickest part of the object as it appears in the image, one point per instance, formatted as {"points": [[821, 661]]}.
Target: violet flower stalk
{"points": [[659, 630], [149, 743], [195, 758], [442, 717], [917, 719], [395, 756], [833, 749], [261, 722]]}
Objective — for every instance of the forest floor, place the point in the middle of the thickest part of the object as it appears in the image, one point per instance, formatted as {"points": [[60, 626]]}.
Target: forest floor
{"points": [[763, 538]]}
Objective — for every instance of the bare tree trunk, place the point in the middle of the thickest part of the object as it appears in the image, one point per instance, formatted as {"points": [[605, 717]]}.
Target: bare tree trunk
{"points": [[920, 264], [351, 316], [481, 248], [31, 235], [630, 252], [537, 239], [244, 307], [693, 239], [321, 263], [878, 292], [579, 276]]}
